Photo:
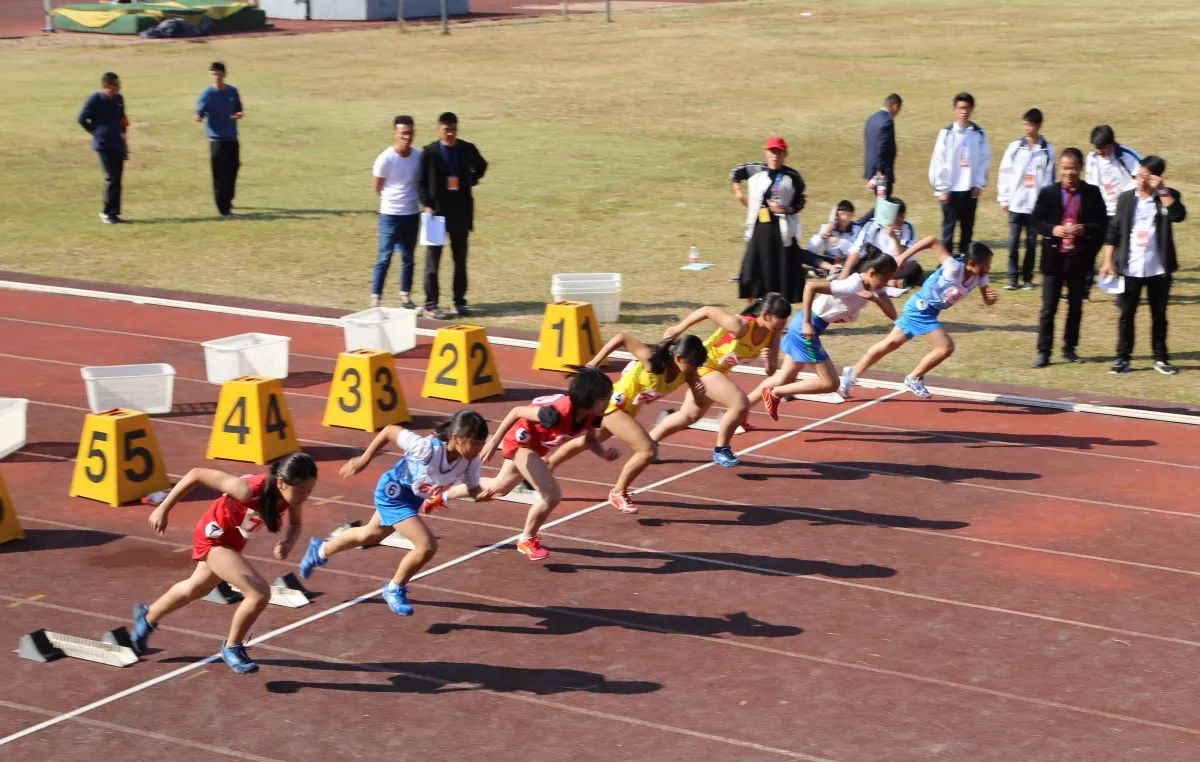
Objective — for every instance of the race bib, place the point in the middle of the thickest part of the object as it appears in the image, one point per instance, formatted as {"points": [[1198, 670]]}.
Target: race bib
{"points": [[643, 397], [452, 183], [213, 530], [423, 487], [250, 523], [964, 160], [392, 490], [1029, 180], [1141, 237], [523, 436], [618, 400]]}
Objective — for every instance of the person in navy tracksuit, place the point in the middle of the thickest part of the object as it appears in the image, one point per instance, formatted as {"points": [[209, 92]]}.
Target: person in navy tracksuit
{"points": [[103, 116]]}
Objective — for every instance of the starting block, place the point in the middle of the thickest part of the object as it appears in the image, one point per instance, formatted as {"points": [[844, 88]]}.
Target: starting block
{"points": [[829, 398], [252, 422], [569, 336], [112, 649], [286, 591], [461, 366], [10, 528], [521, 494], [364, 394], [393, 540], [704, 424], [118, 459]]}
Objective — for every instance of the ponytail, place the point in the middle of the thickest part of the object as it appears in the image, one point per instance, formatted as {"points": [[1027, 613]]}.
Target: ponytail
{"points": [[465, 423], [293, 469], [587, 386], [772, 303], [687, 346]]}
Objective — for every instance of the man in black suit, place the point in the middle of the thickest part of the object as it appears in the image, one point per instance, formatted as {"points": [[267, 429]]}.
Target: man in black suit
{"points": [[1140, 247], [879, 145], [449, 169], [1071, 219]]}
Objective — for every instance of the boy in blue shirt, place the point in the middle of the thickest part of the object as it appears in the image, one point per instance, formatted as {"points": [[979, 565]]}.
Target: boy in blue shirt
{"points": [[222, 106]]}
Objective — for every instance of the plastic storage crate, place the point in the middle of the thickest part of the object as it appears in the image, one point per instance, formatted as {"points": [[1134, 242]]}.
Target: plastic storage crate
{"points": [[389, 329], [12, 424], [247, 354], [601, 290], [148, 388]]}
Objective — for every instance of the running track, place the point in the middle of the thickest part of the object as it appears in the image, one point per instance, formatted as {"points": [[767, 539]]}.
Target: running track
{"points": [[884, 579]]}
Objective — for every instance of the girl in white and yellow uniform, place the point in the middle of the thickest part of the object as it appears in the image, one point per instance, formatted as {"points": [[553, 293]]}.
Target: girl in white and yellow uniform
{"points": [[654, 372], [738, 339]]}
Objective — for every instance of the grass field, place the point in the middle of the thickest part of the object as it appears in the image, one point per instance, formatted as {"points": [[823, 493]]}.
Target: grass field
{"points": [[610, 146]]}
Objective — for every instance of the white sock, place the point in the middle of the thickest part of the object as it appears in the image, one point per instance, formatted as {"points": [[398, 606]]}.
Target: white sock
{"points": [[321, 552], [391, 585], [523, 537]]}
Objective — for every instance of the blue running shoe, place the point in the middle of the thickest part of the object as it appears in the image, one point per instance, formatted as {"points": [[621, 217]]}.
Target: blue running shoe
{"points": [[397, 600], [141, 628], [312, 558], [723, 456], [236, 658]]}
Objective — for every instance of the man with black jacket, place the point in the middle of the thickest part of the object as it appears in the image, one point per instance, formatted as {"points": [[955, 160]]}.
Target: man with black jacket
{"points": [[1070, 217], [879, 145], [103, 116], [1140, 247], [450, 168]]}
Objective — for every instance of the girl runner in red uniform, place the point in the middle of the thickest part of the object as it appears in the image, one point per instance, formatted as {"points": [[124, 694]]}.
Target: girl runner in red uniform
{"points": [[531, 431], [246, 505]]}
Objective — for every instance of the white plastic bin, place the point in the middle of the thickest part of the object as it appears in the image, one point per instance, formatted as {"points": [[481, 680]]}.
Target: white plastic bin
{"points": [[602, 290], [392, 330], [148, 388], [12, 424], [247, 354]]}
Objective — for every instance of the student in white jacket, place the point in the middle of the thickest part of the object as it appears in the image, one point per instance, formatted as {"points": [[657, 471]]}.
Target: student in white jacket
{"points": [[1026, 167], [1110, 166], [958, 172]]}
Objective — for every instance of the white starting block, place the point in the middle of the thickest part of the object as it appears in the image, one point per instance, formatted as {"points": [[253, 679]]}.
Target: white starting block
{"points": [[521, 494], [112, 649], [829, 398], [712, 424], [393, 540], [285, 591]]}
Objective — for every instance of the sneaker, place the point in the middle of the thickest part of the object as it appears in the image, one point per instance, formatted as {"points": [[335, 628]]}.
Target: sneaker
{"points": [[1027, 285], [435, 503], [771, 403], [1120, 365], [1070, 356], [1041, 360], [1011, 287], [532, 548], [724, 457], [236, 658], [397, 600], [622, 501], [374, 300], [107, 219], [312, 558], [847, 382], [407, 303], [141, 628], [461, 311], [917, 387], [433, 313], [1165, 368]]}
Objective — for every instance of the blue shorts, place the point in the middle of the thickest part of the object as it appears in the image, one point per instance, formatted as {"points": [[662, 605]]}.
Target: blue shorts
{"points": [[395, 502], [915, 321], [804, 350]]}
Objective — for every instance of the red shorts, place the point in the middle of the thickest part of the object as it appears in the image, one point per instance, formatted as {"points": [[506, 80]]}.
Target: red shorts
{"points": [[202, 542], [509, 448]]}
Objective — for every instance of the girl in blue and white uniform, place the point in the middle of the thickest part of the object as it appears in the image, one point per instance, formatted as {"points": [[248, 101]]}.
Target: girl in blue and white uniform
{"points": [[430, 465]]}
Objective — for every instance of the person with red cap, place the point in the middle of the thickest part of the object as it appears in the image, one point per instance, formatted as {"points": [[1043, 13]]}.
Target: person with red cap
{"points": [[773, 197]]}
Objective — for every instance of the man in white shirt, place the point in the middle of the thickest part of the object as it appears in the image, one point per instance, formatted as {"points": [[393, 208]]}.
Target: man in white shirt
{"points": [[1110, 166], [1026, 167], [958, 172], [1140, 247], [396, 174]]}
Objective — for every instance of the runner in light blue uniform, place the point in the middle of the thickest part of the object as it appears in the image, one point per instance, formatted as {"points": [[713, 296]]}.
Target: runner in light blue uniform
{"points": [[414, 485]]}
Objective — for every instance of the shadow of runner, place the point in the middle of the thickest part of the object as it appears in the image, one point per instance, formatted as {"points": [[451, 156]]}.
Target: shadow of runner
{"points": [[685, 563], [572, 620], [989, 438], [59, 539], [771, 515], [854, 470]]}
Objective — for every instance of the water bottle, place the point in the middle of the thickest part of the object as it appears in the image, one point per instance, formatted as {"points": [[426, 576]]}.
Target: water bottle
{"points": [[693, 255], [880, 186], [154, 498]]}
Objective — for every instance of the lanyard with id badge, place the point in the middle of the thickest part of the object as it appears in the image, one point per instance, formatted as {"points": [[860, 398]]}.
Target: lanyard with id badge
{"points": [[771, 194], [450, 154]]}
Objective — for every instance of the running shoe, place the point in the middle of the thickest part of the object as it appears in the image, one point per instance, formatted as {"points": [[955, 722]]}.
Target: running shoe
{"points": [[723, 456], [312, 558], [916, 385], [847, 382], [435, 503], [141, 628], [622, 501], [771, 403], [237, 659], [532, 548], [397, 600], [1165, 368]]}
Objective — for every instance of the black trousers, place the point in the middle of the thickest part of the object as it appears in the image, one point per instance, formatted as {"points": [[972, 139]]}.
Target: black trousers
{"points": [[959, 209], [458, 231], [1075, 280], [225, 158], [1021, 271], [1158, 289], [113, 164]]}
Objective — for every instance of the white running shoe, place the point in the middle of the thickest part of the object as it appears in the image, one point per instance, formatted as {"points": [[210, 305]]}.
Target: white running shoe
{"points": [[917, 386], [848, 379]]}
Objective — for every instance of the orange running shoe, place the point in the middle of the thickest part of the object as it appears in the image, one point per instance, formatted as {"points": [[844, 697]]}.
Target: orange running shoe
{"points": [[533, 548], [435, 503], [622, 501], [771, 403]]}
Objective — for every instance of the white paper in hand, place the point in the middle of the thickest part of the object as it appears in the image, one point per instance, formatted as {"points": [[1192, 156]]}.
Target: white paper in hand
{"points": [[1112, 285], [433, 230]]}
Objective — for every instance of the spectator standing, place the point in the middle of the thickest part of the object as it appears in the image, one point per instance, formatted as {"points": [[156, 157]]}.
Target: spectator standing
{"points": [[450, 168], [879, 145], [221, 106], [958, 172], [397, 173], [773, 198], [1110, 166], [103, 116], [1070, 217], [1026, 167], [1140, 246]]}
